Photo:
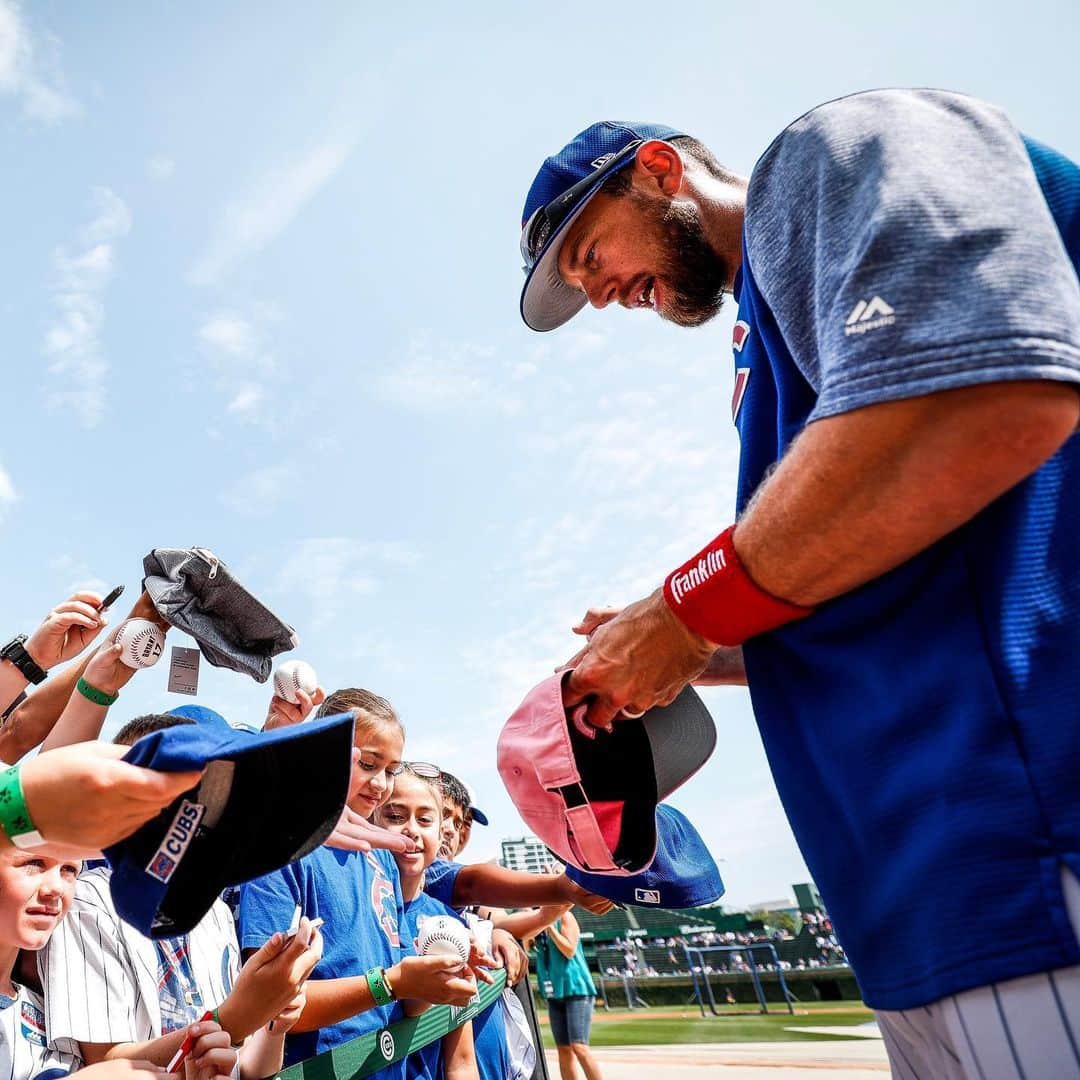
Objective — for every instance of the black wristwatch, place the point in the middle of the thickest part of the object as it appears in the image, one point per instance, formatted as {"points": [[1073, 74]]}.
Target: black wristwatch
{"points": [[14, 652]]}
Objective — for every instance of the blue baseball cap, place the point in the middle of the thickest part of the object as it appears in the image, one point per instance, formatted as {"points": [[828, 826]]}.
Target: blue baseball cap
{"points": [[201, 714], [682, 875], [562, 189], [264, 800]]}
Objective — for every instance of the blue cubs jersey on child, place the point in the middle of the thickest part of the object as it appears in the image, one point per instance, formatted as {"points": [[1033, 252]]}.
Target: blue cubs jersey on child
{"points": [[923, 729], [359, 897]]}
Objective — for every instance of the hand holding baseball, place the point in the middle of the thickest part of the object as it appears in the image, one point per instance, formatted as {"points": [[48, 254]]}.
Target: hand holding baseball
{"points": [[296, 693]]}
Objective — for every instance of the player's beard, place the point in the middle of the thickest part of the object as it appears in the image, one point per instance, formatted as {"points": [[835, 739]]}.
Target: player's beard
{"points": [[692, 273]]}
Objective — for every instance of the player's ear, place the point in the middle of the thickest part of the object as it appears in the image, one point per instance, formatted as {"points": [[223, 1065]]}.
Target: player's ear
{"points": [[659, 164]]}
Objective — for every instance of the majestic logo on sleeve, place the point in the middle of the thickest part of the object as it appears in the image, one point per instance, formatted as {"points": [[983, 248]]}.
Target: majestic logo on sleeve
{"points": [[869, 315], [383, 902]]}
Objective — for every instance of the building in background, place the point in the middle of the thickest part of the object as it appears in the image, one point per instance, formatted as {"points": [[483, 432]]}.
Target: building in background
{"points": [[525, 853]]}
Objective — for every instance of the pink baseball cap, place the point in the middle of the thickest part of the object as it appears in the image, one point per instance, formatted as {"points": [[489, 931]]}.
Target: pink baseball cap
{"points": [[589, 796]]}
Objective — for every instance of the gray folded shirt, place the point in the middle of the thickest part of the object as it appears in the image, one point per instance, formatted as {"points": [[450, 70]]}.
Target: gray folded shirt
{"points": [[194, 591]]}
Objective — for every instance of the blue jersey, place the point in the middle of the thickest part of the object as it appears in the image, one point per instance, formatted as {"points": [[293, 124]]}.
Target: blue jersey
{"points": [[359, 897], [924, 729]]}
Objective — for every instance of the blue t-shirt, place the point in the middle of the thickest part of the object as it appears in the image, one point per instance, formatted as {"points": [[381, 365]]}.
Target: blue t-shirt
{"points": [[425, 1063], [489, 1026], [359, 897], [439, 880], [923, 729]]}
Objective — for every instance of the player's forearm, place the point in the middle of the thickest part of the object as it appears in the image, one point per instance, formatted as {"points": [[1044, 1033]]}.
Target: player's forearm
{"points": [[459, 1054], [160, 1051], [81, 721], [32, 721], [525, 924], [329, 1001], [725, 668], [483, 883], [859, 494], [262, 1055]]}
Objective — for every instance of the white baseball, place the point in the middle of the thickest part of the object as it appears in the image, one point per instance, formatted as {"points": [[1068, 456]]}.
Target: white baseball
{"points": [[142, 643], [295, 675], [441, 935]]}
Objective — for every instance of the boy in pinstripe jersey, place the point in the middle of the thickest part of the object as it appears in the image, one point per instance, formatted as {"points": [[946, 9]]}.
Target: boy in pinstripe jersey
{"points": [[111, 993]]}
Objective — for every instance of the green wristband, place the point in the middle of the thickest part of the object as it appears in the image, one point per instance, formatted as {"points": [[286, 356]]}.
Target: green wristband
{"points": [[15, 818], [92, 693], [380, 993]]}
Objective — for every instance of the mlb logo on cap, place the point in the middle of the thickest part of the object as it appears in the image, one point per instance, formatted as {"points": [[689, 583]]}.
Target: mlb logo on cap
{"points": [[682, 875]]}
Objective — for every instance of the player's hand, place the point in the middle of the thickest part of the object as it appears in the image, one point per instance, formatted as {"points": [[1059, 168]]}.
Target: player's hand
{"points": [[67, 630], [509, 955], [575, 895], [640, 658], [270, 980], [212, 1055], [480, 962], [355, 833], [83, 798], [284, 713], [434, 979], [287, 1019]]}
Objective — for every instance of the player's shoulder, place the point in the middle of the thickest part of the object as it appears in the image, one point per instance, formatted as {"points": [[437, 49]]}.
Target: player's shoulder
{"points": [[849, 137]]}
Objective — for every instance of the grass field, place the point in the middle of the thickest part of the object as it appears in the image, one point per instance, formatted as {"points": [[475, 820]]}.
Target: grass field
{"points": [[662, 1026]]}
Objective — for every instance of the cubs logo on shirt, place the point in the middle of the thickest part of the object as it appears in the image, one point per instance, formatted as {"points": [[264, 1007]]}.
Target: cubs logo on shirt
{"points": [[383, 902], [32, 1023]]}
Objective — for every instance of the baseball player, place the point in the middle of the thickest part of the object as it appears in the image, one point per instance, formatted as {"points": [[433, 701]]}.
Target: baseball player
{"points": [[900, 590]]}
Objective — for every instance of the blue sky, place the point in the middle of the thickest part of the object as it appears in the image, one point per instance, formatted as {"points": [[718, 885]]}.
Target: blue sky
{"points": [[259, 294]]}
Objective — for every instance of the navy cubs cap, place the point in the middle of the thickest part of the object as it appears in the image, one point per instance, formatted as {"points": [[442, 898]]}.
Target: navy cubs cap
{"points": [[682, 875], [264, 800], [200, 714], [562, 189]]}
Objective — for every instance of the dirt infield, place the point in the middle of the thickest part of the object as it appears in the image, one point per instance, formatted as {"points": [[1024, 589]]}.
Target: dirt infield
{"points": [[849, 1060]]}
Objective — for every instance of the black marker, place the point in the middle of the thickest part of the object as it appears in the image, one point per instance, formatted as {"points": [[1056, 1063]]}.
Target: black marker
{"points": [[110, 599]]}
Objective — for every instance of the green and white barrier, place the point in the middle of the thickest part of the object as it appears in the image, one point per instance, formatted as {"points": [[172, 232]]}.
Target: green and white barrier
{"points": [[377, 1049]]}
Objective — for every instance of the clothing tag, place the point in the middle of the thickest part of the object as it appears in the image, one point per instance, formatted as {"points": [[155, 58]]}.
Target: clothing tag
{"points": [[184, 671]]}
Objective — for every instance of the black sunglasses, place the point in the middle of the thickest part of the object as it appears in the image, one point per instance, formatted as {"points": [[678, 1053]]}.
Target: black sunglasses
{"points": [[544, 220]]}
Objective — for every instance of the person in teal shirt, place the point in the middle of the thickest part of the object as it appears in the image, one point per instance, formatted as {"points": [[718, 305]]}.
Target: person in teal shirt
{"points": [[568, 987]]}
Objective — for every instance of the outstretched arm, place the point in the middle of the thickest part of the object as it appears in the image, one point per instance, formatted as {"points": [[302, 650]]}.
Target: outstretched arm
{"points": [[855, 496]]}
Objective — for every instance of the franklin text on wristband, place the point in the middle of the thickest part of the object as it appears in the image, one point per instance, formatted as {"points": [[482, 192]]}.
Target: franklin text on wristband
{"points": [[713, 595]]}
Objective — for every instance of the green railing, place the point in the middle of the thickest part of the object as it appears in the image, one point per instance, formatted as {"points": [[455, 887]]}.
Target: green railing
{"points": [[377, 1049]]}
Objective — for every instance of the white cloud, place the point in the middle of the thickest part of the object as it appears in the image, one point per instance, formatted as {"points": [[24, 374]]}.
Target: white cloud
{"points": [[29, 69], [247, 400], [73, 341], [160, 167], [332, 572], [259, 492], [8, 494], [231, 333], [77, 575], [444, 376], [252, 221]]}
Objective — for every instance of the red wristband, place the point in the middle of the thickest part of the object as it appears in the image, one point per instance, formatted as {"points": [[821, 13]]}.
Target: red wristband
{"points": [[713, 595]]}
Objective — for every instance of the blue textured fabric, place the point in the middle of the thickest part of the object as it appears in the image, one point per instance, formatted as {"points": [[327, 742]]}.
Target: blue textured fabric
{"points": [[583, 154], [426, 1063], [924, 729], [683, 874], [439, 880], [359, 897]]}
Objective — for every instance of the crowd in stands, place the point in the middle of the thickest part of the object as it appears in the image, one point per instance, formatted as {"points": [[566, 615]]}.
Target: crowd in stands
{"points": [[300, 960], [815, 946]]}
